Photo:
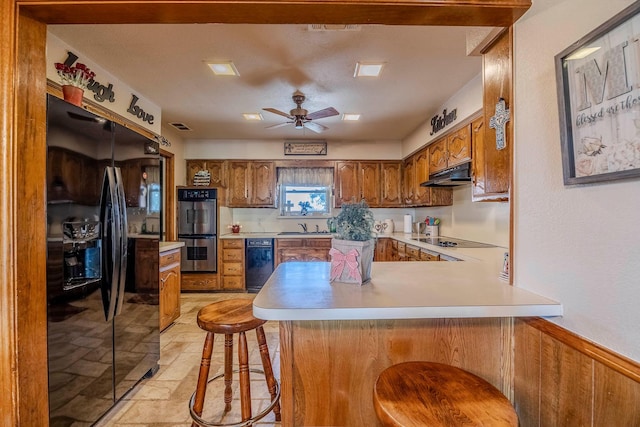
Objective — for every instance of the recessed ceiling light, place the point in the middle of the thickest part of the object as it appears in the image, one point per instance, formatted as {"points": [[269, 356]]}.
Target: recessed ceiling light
{"points": [[582, 53], [252, 116], [225, 68], [368, 69], [350, 117]]}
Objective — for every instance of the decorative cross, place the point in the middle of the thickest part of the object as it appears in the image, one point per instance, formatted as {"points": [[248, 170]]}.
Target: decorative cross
{"points": [[498, 121]]}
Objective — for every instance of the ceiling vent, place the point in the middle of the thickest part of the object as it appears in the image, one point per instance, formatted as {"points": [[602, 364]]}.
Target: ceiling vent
{"points": [[180, 126], [334, 27]]}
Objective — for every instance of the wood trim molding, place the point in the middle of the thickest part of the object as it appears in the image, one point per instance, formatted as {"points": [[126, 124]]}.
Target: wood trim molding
{"points": [[620, 364], [170, 194]]}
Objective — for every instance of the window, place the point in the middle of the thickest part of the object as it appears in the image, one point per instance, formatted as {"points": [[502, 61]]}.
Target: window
{"points": [[305, 191]]}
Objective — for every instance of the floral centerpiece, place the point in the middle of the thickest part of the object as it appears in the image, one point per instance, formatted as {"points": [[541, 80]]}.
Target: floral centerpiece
{"points": [[74, 81], [352, 248]]}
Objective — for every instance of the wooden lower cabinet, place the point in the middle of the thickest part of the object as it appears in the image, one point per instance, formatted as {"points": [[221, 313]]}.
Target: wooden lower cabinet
{"points": [[337, 362], [313, 249], [146, 265], [383, 250], [232, 265], [169, 300]]}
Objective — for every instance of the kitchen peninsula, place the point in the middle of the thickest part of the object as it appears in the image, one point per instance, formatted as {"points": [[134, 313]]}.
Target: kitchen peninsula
{"points": [[336, 338]]}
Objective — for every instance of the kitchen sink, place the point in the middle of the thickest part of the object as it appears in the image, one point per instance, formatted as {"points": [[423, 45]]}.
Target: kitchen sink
{"points": [[302, 233]]}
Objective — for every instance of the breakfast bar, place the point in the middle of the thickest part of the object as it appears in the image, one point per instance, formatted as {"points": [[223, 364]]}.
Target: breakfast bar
{"points": [[336, 338]]}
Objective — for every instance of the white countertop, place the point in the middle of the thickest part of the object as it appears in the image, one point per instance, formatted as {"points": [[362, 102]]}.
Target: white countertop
{"points": [[397, 290]]}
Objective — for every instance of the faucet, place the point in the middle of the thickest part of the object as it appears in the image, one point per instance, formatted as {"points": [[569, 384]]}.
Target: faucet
{"points": [[304, 227], [317, 228]]}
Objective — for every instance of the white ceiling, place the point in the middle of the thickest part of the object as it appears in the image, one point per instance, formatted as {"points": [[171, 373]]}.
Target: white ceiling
{"points": [[167, 64]]}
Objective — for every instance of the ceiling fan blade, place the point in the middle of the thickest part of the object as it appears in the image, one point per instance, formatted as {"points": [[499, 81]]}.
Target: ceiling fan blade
{"points": [[327, 112], [278, 125], [316, 127], [278, 112]]}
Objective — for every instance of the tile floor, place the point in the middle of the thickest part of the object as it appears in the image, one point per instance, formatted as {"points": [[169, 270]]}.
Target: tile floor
{"points": [[162, 401]]}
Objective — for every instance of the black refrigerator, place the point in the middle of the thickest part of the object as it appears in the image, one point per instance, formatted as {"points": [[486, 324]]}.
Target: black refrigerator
{"points": [[103, 326]]}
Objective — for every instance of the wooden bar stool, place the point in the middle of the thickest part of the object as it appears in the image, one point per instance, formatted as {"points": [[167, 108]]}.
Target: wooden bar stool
{"points": [[234, 316], [434, 394]]}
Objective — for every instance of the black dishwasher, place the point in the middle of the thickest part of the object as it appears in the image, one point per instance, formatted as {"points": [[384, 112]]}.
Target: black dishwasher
{"points": [[259, 263]]}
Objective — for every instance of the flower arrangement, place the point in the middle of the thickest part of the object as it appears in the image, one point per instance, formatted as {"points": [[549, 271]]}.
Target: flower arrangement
{"points": [[79, 75], [235, 227], [355, 222]]}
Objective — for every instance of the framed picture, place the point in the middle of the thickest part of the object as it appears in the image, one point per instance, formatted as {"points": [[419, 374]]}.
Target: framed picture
{"points": [[598, 81], [307, 148]]}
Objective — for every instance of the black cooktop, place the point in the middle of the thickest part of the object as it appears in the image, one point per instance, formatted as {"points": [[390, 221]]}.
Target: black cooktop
{"points": [[450, 242]]}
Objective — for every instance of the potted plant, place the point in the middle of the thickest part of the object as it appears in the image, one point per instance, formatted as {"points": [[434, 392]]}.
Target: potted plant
{"points": [[74, 81], [353, 246]]}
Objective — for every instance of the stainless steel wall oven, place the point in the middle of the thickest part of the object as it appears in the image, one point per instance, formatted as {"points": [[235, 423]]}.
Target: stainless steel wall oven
{"points": [[197, 217]]}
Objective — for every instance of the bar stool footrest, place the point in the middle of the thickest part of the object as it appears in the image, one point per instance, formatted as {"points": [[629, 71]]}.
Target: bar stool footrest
{"points": [[204, 423]]}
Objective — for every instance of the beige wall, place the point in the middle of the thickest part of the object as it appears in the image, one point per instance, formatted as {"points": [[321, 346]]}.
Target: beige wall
{"points": [[577, 244]]}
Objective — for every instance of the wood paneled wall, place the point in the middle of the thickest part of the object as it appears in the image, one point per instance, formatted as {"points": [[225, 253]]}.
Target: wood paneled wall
{"points": [[564, 380]]}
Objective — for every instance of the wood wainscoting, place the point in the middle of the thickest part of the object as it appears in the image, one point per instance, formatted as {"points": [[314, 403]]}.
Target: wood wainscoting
{"points": [[562, 379]]}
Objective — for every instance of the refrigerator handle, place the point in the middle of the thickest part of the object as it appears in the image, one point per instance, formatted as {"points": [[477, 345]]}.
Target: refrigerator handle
{"points": [[121, 240], [110, 223]]}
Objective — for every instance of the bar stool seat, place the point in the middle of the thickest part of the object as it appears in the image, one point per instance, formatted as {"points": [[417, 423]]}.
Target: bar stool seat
{"points": [[435, 394], [229, 317]]}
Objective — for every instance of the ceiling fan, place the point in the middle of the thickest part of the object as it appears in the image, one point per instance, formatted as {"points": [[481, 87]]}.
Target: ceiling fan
{"points": [[300, 118]]}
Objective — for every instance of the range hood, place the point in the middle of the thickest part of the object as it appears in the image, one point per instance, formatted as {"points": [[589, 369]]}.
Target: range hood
{"points": [[457, 175]]}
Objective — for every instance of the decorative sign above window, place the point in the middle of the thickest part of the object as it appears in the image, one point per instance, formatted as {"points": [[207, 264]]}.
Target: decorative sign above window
{"points": [[305, 148]]}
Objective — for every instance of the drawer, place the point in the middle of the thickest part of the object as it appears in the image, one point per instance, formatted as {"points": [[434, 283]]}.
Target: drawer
{"points": [[429, 256], [232, 255], [233, 269], [232, 282], [170, 257], [289, 243], [318, 243], [233, 243]]}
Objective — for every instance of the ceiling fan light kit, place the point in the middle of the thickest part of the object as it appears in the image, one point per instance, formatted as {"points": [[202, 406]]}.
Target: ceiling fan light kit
{"points": [[301, 118]]}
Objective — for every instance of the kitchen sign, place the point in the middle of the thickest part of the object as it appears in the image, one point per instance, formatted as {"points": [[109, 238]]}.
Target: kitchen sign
{"points": [[598, 81], [105, 89], [439, 122]]}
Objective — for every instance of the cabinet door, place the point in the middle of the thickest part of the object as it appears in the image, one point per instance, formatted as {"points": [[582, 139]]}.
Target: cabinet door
{"points": [[169, 296], [218, 172], [238, 194], [263, 184], [315, 255], [193, 167], [346, 183], [383, 250], [459, 147], [422, 195], [408, 181], [438, 156], [131, 177], [391, 184], [370, 182], [496, 164], [72, 175]]}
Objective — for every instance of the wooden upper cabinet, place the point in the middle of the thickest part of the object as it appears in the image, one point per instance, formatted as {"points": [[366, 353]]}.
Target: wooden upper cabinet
{"points": [[391, 184], [263, 183], [346, 183], [492, 167], [408, 181], [422, 195], [377, 182], [459, 146], [452, 150], [438, 155], [251, 184], [370, 182], [217, 171]]}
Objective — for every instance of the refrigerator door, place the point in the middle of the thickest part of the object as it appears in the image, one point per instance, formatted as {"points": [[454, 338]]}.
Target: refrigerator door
{"points": [[136, 323]]}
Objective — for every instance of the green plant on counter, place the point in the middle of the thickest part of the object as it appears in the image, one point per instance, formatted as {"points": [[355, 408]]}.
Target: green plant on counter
{"points": [[355, 222]]}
